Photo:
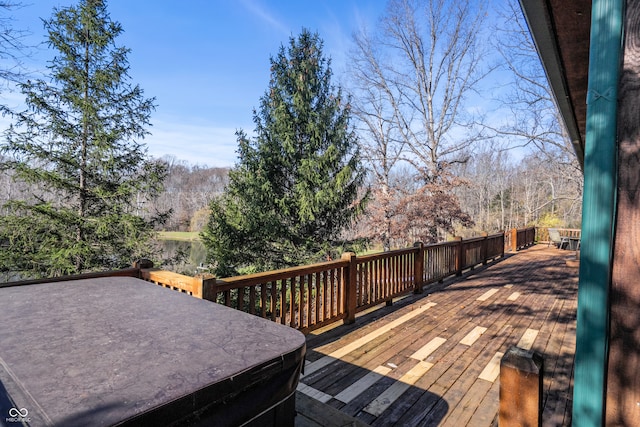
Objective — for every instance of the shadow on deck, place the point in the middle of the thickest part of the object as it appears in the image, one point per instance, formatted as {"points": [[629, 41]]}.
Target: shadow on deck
{"points": [[433, 359]]}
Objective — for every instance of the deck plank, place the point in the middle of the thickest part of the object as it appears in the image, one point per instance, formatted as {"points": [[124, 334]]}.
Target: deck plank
{"points": [[426, 350], [353, 391], [390, 395], [473, 336]]}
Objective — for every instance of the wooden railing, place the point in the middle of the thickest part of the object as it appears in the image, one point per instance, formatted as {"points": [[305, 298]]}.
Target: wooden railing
{"points": [[542, 233], [384, 276], [311, 296], [521, 238], [195, 286], [305, 297]]}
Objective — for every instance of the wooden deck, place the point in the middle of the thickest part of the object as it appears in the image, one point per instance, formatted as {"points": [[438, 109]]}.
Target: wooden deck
{"points": [[433, 359]]}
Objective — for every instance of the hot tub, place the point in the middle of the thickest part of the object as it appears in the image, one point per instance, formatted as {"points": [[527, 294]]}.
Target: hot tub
{"points": [[122, 351]]}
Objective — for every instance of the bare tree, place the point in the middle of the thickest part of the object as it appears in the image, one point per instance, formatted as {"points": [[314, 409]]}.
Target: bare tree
{"points": [[381, 149], [487, 196], [535, 122], [426, 60], [504, 193], [187, 192], [535, 119], [412, 76]]}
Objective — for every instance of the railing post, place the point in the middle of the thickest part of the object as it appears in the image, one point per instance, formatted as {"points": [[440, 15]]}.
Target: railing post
{"points": [[350, 280], [483, 248], [521, 388], [459, 256], [207, 285], [532, 234], [141, 264], [514, 240], [418, 268], [502, 246]]}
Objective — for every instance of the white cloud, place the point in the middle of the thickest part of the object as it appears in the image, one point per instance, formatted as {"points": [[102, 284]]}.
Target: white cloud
{"points": [[264, 15], [196, 143]]}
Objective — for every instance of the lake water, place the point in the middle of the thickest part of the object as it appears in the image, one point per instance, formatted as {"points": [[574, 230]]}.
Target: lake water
{"points": [[196, 255]]}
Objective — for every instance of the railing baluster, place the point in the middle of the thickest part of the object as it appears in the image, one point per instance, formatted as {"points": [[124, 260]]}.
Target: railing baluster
{"points": [[333, 293], [274, 298], [326, 314], [385, 273], [283, 301], [340, 300], [240, 299], [393, 265], [360, 285], [310, 299], [319, 306], [293, 307], [252, 300], [376, 289], [263, 300], [304, 313]]}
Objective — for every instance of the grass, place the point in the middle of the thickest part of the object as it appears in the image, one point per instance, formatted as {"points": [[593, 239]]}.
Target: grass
{"points": [[372, 250], [187, 236]]}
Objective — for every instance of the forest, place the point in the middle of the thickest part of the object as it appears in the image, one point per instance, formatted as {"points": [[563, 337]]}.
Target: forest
{"points": [[500, 193]]}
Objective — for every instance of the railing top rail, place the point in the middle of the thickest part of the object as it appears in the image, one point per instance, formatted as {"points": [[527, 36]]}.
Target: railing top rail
{"points": [[388, 254], [496, 235], [442, 244], [285, 273], [473, 240], [569, 229]]}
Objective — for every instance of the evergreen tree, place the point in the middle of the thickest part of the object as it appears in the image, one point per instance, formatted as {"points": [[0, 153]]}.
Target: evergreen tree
{"points": [[78, 146], [297, 184]]}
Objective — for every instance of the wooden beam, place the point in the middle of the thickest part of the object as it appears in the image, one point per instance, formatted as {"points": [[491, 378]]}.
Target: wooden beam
{"points": [[623, 373]]}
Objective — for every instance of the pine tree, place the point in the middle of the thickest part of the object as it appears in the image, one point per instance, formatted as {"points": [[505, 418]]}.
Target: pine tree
{"points": [[78, 145], [298, 181]]}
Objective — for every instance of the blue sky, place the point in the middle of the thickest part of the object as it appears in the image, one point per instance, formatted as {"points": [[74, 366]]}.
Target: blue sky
{"points": [[207, 61]]}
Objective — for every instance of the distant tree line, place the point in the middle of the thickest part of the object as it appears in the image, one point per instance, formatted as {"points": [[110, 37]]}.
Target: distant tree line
{"points": [[188, 190]]}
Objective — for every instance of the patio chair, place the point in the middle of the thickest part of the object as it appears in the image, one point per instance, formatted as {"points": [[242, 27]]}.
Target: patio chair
{"points": [[558, 240]]}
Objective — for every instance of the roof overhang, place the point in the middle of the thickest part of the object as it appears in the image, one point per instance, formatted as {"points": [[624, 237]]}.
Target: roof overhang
{"points": [[561, 31]]}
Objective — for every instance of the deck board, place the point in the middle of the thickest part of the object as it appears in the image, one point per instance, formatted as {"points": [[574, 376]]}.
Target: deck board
{"points": [[419, 361]]}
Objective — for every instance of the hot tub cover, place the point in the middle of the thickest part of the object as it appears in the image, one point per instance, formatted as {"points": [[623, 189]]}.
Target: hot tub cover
{"points": [[122, 351]]}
